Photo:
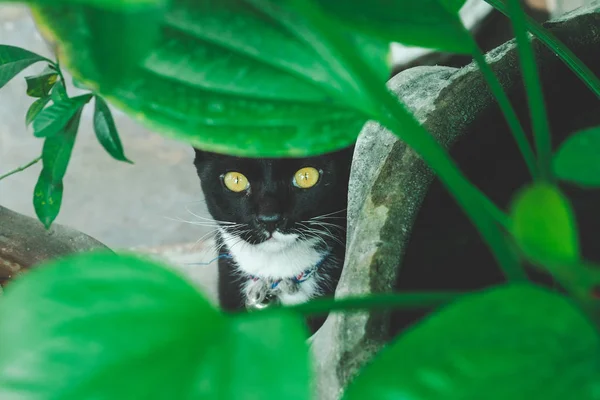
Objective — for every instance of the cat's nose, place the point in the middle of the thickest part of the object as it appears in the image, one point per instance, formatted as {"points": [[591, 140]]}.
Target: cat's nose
{"points": [[269, 221]]}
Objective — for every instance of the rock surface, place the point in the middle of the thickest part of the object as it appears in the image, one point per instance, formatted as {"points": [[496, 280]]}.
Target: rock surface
{"points": [[24, 243], [389, 182]]}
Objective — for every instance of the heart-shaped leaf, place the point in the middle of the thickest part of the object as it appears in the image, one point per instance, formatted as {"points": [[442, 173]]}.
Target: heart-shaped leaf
{"points": [[54, 118], [516, 342], [41, 84], [106, 131], [578, 158], [543, 224], [105, 327], [14, 60], [35, 108]]}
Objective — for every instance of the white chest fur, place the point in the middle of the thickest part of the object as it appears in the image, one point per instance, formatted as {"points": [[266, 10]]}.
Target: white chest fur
{"points": [[282, 257]]}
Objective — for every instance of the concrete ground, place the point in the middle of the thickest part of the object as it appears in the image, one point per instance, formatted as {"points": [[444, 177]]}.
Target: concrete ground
{"points": [[124, 206]]}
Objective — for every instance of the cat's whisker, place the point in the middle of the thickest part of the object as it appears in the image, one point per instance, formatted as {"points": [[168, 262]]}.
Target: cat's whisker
{"points": [[324, 224], [208, 219], [199, 223], [331, 213]]}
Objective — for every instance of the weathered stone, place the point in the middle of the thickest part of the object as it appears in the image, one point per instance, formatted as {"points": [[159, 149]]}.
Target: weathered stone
{"points": [[392, 195], [24, 243]]}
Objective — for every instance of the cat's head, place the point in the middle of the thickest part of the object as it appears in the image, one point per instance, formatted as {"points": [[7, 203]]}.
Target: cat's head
{"points": [[276, 200]]}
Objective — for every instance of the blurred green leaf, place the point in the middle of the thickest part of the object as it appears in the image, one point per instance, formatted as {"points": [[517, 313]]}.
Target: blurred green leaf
{"points": [[106, 131], [578, 158], [247, 363], [104, 326], [14, 60], [516, 342], [54, 118], [425, 23], [117, 5], [35, 108], [543, 224], [41, 84], [225, 76]]}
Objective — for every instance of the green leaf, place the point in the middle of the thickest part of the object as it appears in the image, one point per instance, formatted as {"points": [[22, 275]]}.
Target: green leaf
{"points": [[35, 109], [47, 198], [117, 5], [515, 342], [106, 131], [225, 76], [59, 93], [41, 84], [54, 118], [578, 158], [104, 326], [57, 149], [543, 224], [425, 23], [248, 361], [14, 60]]}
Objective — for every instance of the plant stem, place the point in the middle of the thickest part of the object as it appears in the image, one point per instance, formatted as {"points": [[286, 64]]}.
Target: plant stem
{"points": [[533, 88], [558, 47], [509, 113], [376, 301], [383, 106], [19, 169]]}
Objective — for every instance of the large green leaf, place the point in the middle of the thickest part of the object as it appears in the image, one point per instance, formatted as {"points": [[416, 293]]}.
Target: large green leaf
{"points": [[578, 158], [515, 342], [103, 326], [425, 23], [260, 357], [226, 77], [543, 224], [14, 60]]}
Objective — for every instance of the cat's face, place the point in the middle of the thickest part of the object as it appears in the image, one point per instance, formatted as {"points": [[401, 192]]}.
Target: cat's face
{"points": [[275, 200]]}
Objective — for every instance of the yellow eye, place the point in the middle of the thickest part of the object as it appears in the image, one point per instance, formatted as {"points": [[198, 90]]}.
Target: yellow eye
{"points": [[236, 182], [306, 177]]}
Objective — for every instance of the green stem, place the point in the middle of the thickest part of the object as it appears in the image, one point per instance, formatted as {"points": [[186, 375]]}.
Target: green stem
{"points": [[533, 88], [21, 168], [384, 107], [509, 113], [559, 48], [377, 301]]}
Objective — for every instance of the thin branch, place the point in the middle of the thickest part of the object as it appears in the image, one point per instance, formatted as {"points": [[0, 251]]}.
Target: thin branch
{"points": [[21, 168]]}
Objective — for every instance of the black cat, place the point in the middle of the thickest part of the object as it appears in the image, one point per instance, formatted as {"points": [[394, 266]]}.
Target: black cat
{"points": [[282, 226]]}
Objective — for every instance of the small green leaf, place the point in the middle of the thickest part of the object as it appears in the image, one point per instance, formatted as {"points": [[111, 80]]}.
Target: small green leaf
{"points": [[54, 118], [106, 131], [59, 93], [41, 84], [14, 60], [57, 149], [104, 326], [516, 342], [232, 369], [578, 158], [543, 224], [47, 198], [35, 109]]}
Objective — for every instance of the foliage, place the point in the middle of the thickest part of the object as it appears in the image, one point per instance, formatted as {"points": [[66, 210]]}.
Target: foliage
{"points": [[286, 78]]}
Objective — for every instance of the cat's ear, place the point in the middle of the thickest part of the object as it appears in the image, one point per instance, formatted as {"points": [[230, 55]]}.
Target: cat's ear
{"points": [[200, 156]]}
